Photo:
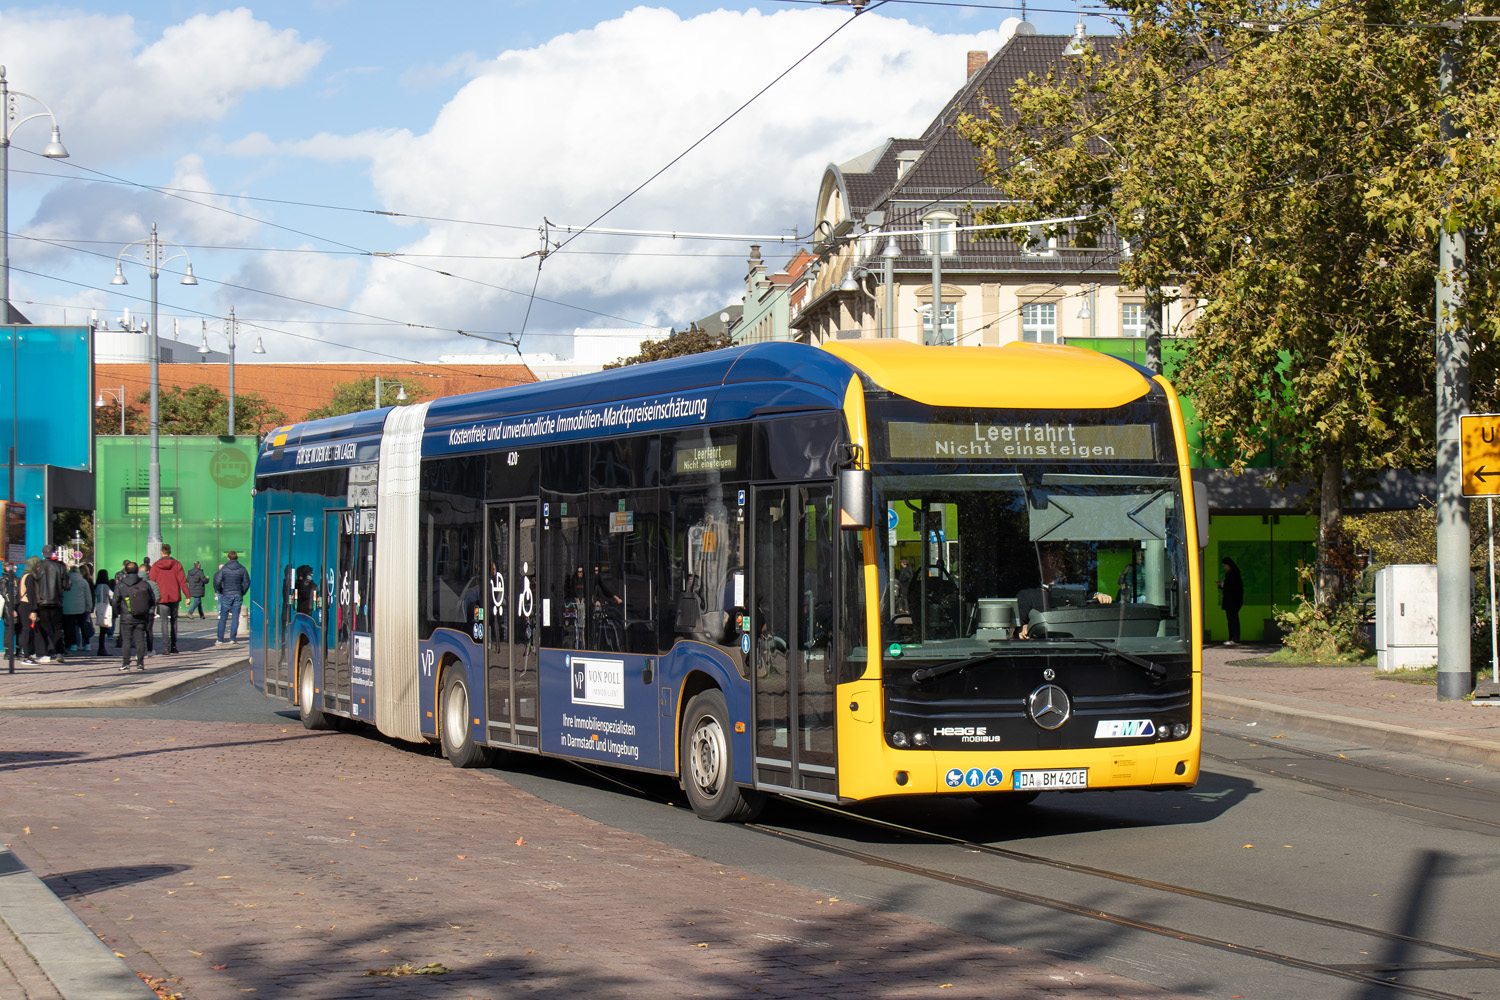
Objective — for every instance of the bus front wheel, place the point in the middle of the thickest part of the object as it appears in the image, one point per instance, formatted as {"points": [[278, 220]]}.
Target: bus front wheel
{"points": [[307, 694], [454, 711], [707, 763]]}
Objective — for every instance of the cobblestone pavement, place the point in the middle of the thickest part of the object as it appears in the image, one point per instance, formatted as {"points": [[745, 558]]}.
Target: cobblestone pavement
{"points": [[237, 859]]}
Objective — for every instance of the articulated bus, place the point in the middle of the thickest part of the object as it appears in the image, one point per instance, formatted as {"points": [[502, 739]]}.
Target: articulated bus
{"points": [[872, 569]]}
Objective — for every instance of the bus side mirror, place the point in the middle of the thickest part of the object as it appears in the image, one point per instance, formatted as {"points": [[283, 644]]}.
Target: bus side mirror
{"points": [[1200, 512], [856, 509]]}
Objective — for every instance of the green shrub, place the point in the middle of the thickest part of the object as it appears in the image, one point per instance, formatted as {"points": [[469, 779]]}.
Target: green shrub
{"points": [[1331, 631]]}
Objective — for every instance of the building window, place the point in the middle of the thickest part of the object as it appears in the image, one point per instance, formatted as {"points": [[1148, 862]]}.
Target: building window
{"points": [[1133, 319], [943, 228], [949, 333], [1039, 322]]}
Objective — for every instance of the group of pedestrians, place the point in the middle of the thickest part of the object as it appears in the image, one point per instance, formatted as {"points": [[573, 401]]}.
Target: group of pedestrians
{"points": [[34, 611], [51, 610]]}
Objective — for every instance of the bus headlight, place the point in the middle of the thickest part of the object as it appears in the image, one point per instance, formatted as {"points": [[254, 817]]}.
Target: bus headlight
{"points": [[899, 741], [1180, 731], [919, 738]]}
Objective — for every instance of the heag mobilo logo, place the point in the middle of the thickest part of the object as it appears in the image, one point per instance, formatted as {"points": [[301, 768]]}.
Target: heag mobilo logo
{"points": [[229, 468], [598, 682]]}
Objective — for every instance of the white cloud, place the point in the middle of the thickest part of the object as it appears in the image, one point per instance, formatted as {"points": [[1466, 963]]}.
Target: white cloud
{"points": [[565, 129], [113, 91]]}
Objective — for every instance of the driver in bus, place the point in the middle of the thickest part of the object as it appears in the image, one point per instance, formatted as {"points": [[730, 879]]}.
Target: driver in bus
{"points": [[1063, 583]]}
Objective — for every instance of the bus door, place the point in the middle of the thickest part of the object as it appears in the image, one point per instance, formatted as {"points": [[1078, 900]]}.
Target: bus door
{"points": [[509, 614], [275, 599], [348, 581], [791, 629]]}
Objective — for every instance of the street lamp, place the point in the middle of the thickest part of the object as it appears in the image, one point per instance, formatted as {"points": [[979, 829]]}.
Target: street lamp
{"points": [[153, 251], [400, 392], [99, 404], [890, 253], [231, 331], [9, 122], [54, 149]]}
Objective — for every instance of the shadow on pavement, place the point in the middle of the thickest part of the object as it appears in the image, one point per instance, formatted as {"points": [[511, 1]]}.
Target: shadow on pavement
{"points": [[9, 759], [74, 884]]}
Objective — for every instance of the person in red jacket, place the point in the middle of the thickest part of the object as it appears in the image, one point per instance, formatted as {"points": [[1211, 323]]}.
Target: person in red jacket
{"points": [[168, 575]]}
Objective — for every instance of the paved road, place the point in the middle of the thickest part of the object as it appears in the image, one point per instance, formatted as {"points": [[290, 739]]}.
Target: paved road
{"points": [[215, 842], [254, 856]]}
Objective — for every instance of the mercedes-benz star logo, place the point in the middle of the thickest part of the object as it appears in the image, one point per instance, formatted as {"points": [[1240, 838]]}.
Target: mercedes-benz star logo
{"points": [[1049, 706]]}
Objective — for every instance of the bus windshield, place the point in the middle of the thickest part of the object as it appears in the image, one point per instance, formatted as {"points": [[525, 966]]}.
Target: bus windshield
{"points": [[1046, 551]]}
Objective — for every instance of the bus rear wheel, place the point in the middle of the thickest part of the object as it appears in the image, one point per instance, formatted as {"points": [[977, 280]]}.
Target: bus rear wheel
{"points": [[707, 763], [454, 710], [307, 693]]}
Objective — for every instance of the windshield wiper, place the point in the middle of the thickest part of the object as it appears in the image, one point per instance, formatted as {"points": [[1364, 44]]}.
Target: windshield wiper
{"points": [[928, 673], [1156, 670]]}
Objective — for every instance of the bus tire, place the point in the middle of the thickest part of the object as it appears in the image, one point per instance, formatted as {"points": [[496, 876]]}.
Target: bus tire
{"points": [[307, 693], [454, 712], [706, 763]]}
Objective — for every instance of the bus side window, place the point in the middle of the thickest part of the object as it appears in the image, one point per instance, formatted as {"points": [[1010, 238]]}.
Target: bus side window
{"points": [[708, 578]]}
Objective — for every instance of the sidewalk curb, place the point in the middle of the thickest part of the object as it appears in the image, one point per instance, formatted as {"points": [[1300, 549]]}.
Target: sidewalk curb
{"points": [[158, 691], [1428, 742], [71, 956]]}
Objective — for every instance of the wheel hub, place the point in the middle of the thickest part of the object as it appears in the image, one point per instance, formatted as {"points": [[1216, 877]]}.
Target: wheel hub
{"points": [[708, 757]]}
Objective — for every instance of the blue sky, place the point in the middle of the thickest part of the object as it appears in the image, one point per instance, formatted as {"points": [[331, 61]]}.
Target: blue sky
{"points": [[474, 121]]}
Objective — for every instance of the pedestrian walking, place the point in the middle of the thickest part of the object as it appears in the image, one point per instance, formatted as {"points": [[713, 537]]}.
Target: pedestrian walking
{"points": [[26, 610], [51, 584], [231, 583], [10, 597], [171, 584], [104, 611], [197, 583], [143, 570], [76, 606], [134, 602]]}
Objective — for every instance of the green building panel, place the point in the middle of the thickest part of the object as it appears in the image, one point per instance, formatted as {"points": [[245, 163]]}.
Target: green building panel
{"points": [[205, 499], [1271, 551]]}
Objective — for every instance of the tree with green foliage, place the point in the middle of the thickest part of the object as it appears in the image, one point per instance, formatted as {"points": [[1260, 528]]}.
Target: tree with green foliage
{"points": [[359, 394], [198, 409], [1293, 183], [679, 344]]}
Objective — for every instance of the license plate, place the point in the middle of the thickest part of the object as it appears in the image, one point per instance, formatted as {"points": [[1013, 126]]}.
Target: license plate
{"points": [[1042, 781]]}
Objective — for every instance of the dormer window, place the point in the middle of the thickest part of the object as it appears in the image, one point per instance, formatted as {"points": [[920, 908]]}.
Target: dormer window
{"points": [[940, 230], [1040, 246]]}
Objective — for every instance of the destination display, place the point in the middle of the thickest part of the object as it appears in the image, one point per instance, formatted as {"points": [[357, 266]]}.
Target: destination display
{"points": [[1059, 442], [708, 458]]}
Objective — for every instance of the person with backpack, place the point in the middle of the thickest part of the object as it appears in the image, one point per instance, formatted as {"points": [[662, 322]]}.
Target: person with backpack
{"points": [[171, 583], [231, 583], [134, 602]]}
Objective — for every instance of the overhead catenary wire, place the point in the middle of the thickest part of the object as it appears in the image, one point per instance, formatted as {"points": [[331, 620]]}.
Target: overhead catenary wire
{"points": [[360, 250]]}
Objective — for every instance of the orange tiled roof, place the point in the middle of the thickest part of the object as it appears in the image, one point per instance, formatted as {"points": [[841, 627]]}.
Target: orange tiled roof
{"points": [[295, 389]]}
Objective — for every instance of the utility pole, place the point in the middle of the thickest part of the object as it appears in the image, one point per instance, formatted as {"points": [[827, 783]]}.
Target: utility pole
{"points": [[1455, 603]]}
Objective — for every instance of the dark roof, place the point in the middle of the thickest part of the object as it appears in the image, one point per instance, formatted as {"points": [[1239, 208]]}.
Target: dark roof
{"points": [[946, 174]]}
